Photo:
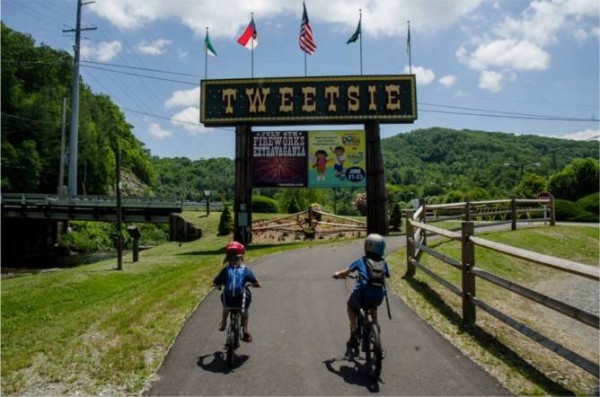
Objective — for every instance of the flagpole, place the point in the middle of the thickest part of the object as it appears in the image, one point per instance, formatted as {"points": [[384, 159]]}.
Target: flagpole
{"points": [[206, 55], [252, 48], [409, 50], [361, 55], [305, 65]]}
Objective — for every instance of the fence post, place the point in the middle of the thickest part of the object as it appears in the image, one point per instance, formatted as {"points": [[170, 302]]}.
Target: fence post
{"points": [[468, 210], [552, 211], [468, 278], [423, 218], [410, 249], [513, 210]]}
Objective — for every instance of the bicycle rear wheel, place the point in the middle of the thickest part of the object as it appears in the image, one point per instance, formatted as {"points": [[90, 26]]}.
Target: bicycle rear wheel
{"points": [[373, 352], [230, 347], [233, 339]]}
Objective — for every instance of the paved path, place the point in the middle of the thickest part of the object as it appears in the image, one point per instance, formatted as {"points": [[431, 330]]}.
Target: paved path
{"points": [[299, 324]]}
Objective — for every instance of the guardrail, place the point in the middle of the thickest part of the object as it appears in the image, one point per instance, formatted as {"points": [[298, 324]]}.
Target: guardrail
{"points": [[416, 245]]}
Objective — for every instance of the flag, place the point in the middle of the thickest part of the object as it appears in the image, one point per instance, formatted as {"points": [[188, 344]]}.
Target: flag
{"points": [[356, 34], [306, 38], [210, 50], [248, 38]]}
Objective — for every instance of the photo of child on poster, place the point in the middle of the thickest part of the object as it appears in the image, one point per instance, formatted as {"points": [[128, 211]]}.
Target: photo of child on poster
{"points": [[336, 159]]}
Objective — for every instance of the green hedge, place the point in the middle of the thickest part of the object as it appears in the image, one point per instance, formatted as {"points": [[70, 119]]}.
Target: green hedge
{"points": [[590, 203], [265, 205], [569, 211]]}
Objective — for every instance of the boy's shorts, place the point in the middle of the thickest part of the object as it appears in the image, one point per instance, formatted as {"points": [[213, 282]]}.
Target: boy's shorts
{"points": [[235, 302], [358, 299]]}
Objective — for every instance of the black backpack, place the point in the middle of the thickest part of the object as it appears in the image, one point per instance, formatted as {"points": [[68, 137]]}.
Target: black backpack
{"points": [[375, 272]]}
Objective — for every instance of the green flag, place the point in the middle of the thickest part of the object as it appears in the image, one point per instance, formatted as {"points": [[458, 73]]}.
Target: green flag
{"points": [[356, 34], [208, 46]]}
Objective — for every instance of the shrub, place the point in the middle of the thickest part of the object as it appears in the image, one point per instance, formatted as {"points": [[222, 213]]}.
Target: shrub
{"points": [[573, 212], [263, 204], [565, 210], [590, 203]]}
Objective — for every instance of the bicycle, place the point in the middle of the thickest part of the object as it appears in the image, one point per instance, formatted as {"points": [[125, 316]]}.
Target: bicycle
{"points": [[232, 339], [369, 340]]}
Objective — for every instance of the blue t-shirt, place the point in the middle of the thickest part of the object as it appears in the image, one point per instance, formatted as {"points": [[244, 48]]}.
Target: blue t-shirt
{"points": [[247, 277], [362, 283]]}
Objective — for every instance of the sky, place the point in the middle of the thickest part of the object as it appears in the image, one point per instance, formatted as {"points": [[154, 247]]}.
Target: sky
{"points": [[513, 66]]}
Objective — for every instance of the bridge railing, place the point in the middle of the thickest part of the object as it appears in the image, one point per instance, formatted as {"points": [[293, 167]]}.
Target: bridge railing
{"points": [[416, 245], [34, 199]]}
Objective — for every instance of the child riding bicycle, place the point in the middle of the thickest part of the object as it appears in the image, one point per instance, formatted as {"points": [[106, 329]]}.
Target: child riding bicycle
{"points": [[369, 289], [234, 277]]}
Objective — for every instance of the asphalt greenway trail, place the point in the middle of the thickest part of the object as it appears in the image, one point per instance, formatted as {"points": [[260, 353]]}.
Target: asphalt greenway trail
{"points": [[299, 325]]}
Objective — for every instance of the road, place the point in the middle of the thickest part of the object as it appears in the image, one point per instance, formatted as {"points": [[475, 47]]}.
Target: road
{"points": [[299, 325]]}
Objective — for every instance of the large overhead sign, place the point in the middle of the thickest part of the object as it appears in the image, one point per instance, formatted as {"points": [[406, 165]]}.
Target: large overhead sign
{"points": [[317, 159], [309, 100]]}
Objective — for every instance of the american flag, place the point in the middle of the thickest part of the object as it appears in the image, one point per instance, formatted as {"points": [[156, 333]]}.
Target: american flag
{"points": [[306, 41]]}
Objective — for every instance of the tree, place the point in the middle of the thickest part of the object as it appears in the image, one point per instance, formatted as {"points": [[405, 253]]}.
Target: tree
{"points": [[226, 222], [360, 202], [530, 186], [293, 207], [578, 179], [396, 218]]}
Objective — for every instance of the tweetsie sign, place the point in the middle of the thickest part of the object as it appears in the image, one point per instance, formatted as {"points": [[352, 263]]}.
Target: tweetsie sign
{"points": [[309, 100], [327, 159]]}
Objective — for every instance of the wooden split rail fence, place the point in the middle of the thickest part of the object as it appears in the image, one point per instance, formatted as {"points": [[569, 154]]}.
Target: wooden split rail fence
{"points": [[417, 230]]}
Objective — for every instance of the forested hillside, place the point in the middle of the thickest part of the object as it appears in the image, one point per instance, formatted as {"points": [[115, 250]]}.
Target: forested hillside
{"points": [[433, 164], [35, 79]]}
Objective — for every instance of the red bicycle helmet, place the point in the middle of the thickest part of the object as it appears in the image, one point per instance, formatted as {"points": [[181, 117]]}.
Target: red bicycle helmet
{"points": [[235, 248]]}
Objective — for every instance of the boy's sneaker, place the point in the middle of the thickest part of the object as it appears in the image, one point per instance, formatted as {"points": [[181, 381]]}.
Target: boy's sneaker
{"points": [[352, 347]]}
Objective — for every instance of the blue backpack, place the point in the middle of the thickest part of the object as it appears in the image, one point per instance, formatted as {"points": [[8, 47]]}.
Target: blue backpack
{"points": [[236, 277]]}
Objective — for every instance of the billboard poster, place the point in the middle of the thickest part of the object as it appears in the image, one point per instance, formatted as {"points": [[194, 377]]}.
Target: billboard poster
{"points": [[279, 159], [316, 159], [336, 159]]}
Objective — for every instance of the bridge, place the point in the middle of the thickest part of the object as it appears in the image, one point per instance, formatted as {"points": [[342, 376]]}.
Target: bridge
{"points": [[89, 208], [36, 221]]}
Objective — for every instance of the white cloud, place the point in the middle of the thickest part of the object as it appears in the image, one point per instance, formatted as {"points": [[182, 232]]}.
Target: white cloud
{"points": [[586, 135], [189, 119], [507, 54], [424, 76], [490, 81], [184, 98], [517, 44], [103, 51], [157, 47], [448, 80], [158, 132], [381, 17]]}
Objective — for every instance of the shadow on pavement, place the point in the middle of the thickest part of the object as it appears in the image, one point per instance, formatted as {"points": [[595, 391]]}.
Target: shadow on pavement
{"points": [[218, 363], [354, 374]]}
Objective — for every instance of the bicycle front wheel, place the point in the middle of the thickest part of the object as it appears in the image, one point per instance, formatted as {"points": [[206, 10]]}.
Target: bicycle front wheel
{"points": [[373, 352]]}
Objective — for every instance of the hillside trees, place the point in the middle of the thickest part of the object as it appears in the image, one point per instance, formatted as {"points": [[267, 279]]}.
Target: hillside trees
{"points": [[35, 79]]}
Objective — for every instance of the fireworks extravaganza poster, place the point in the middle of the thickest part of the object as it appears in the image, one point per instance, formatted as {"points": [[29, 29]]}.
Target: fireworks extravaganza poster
{"points": [[327, 159]]}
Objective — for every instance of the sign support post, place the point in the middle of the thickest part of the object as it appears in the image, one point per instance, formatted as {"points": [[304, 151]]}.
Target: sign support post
{"points": [[242, 206], [377, 200]]}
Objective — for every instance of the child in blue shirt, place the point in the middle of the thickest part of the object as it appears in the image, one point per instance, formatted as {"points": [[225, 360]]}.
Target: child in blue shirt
{"points": [[234, 277]]}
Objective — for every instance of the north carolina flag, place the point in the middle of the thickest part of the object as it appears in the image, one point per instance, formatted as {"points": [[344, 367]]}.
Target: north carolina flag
{"points": [[248, 38]]}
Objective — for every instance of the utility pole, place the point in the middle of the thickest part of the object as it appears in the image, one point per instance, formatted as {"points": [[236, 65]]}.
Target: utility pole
{"points": [[61, 171], [73, 138], [119, 211]]}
